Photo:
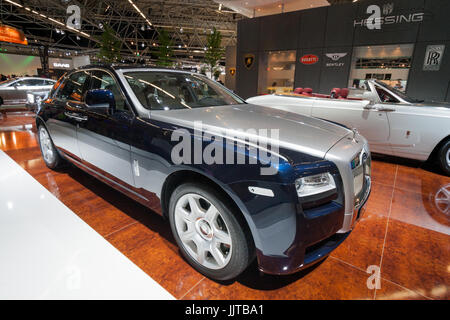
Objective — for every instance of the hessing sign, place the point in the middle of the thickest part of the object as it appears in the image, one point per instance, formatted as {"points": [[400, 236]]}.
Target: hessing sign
{"points": [[376, 20]]}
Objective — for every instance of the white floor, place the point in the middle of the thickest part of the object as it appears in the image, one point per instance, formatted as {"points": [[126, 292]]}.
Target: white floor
{"points": [[48, 252]]}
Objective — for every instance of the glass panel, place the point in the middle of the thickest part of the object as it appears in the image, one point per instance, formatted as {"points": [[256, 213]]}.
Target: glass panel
{"points": [[103, 80], [72, 88], [389, 64], [170, 90], [277, 71]]}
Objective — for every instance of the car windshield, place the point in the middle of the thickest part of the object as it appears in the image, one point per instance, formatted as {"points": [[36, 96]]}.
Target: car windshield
{"points": [[176, 90], [398, 93]]}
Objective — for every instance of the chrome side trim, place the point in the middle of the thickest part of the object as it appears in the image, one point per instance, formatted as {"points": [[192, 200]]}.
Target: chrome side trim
{"points": [[261, 191], [108, 179]]}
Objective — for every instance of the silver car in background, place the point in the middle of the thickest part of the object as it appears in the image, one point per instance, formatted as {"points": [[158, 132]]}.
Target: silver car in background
{"points": [[20, 91], [393, 123]]}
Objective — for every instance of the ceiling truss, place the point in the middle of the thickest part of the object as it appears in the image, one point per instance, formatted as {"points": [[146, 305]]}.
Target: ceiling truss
{"points": [[187, 21]]}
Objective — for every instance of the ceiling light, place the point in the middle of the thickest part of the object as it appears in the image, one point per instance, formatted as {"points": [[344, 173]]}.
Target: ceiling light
{"points": [[140, 12]]}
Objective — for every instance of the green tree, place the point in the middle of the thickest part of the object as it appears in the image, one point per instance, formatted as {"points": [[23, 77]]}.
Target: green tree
{"points": [[214, 50], [109, 46], [165, 50]]}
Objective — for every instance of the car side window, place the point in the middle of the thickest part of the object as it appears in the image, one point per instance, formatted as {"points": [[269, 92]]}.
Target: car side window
{"points": [[73, 87], [30, 82], [19, 83], [103, 80]]}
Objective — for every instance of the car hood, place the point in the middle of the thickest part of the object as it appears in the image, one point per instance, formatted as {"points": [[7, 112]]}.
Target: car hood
{"points": [[296, 132]]}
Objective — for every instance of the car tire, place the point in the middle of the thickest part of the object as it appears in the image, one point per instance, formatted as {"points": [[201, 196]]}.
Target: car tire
{"points": [[444, 157], [51, 156], [203, 229]]}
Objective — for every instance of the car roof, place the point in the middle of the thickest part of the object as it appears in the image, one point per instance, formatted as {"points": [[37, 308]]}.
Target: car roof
{"points": [[120, 66], [37, 78]]}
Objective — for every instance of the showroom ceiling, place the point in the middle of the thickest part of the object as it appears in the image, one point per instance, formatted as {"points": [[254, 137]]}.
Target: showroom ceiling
{"points": [[259, 8], [136, 23]]}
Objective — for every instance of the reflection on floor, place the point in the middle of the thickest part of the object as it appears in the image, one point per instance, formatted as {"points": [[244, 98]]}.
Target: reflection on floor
{"points": [[405, 231]]}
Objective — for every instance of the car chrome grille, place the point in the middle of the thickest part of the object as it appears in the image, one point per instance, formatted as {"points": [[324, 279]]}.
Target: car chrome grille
{"points": [[361, 167]]}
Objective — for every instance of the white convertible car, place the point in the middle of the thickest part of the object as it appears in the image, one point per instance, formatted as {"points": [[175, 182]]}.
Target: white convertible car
{"points": [[393, 123]]}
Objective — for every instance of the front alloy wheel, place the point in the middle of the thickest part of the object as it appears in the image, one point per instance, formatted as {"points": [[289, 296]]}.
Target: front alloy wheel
{"points": [[202, 231], [210, 235]]}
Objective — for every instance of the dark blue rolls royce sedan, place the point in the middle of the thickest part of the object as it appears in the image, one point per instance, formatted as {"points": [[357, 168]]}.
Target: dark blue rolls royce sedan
{"points": [[235, 181]]}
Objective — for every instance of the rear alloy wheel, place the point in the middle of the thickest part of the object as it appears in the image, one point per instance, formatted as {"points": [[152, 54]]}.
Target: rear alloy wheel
{"points": [[444, 157], [51, 157], [209, 235]]}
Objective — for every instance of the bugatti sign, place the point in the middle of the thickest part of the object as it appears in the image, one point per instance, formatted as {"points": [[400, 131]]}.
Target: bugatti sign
{"points": [[309, 59], [376, 20]]}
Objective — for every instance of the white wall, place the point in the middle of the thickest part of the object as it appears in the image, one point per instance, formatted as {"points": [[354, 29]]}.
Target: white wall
{"points": [[19, 65], [81, 61]]}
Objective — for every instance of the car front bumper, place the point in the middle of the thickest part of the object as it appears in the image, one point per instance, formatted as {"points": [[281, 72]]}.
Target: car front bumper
{"points": [[301, 238]]}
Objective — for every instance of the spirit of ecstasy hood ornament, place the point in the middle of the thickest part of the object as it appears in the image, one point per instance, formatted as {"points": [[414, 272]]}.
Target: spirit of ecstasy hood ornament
{"points": [[355, 132]]}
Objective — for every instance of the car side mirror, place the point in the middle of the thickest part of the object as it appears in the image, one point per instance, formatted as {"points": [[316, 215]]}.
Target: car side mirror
{"points": [[369, 105], [100, 99]]}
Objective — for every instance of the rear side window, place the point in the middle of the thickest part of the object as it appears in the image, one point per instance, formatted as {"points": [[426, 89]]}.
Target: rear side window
{"points": [[73, 87]]}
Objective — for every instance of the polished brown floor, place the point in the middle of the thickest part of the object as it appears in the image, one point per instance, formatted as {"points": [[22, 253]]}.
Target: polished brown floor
{"points": [[404, 231]]}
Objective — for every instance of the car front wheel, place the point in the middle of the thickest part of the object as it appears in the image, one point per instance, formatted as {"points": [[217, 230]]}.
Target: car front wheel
{"points": [[210, 235]]}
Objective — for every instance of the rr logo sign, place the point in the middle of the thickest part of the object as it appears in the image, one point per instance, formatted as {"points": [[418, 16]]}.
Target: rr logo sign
{"points": [[433, 57]]}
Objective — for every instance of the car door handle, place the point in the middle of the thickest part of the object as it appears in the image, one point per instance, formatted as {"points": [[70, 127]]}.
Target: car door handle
{"points": [[385, 109], [76, 116]]}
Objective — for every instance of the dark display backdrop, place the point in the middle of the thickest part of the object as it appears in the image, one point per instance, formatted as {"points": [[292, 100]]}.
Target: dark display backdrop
{"points": [[332, 29]]}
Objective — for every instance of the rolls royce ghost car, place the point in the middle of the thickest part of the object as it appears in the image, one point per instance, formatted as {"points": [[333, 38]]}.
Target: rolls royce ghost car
{"points": [[17, 90], [393, 123], [124, 125]]}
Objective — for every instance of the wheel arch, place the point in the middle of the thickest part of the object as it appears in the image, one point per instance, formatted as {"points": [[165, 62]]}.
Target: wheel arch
{"points": [[40, 121], [436, 149]]}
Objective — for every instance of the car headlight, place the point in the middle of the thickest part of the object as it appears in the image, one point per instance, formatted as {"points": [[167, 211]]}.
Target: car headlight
{"points": [[315, 184], [30, 98]]}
